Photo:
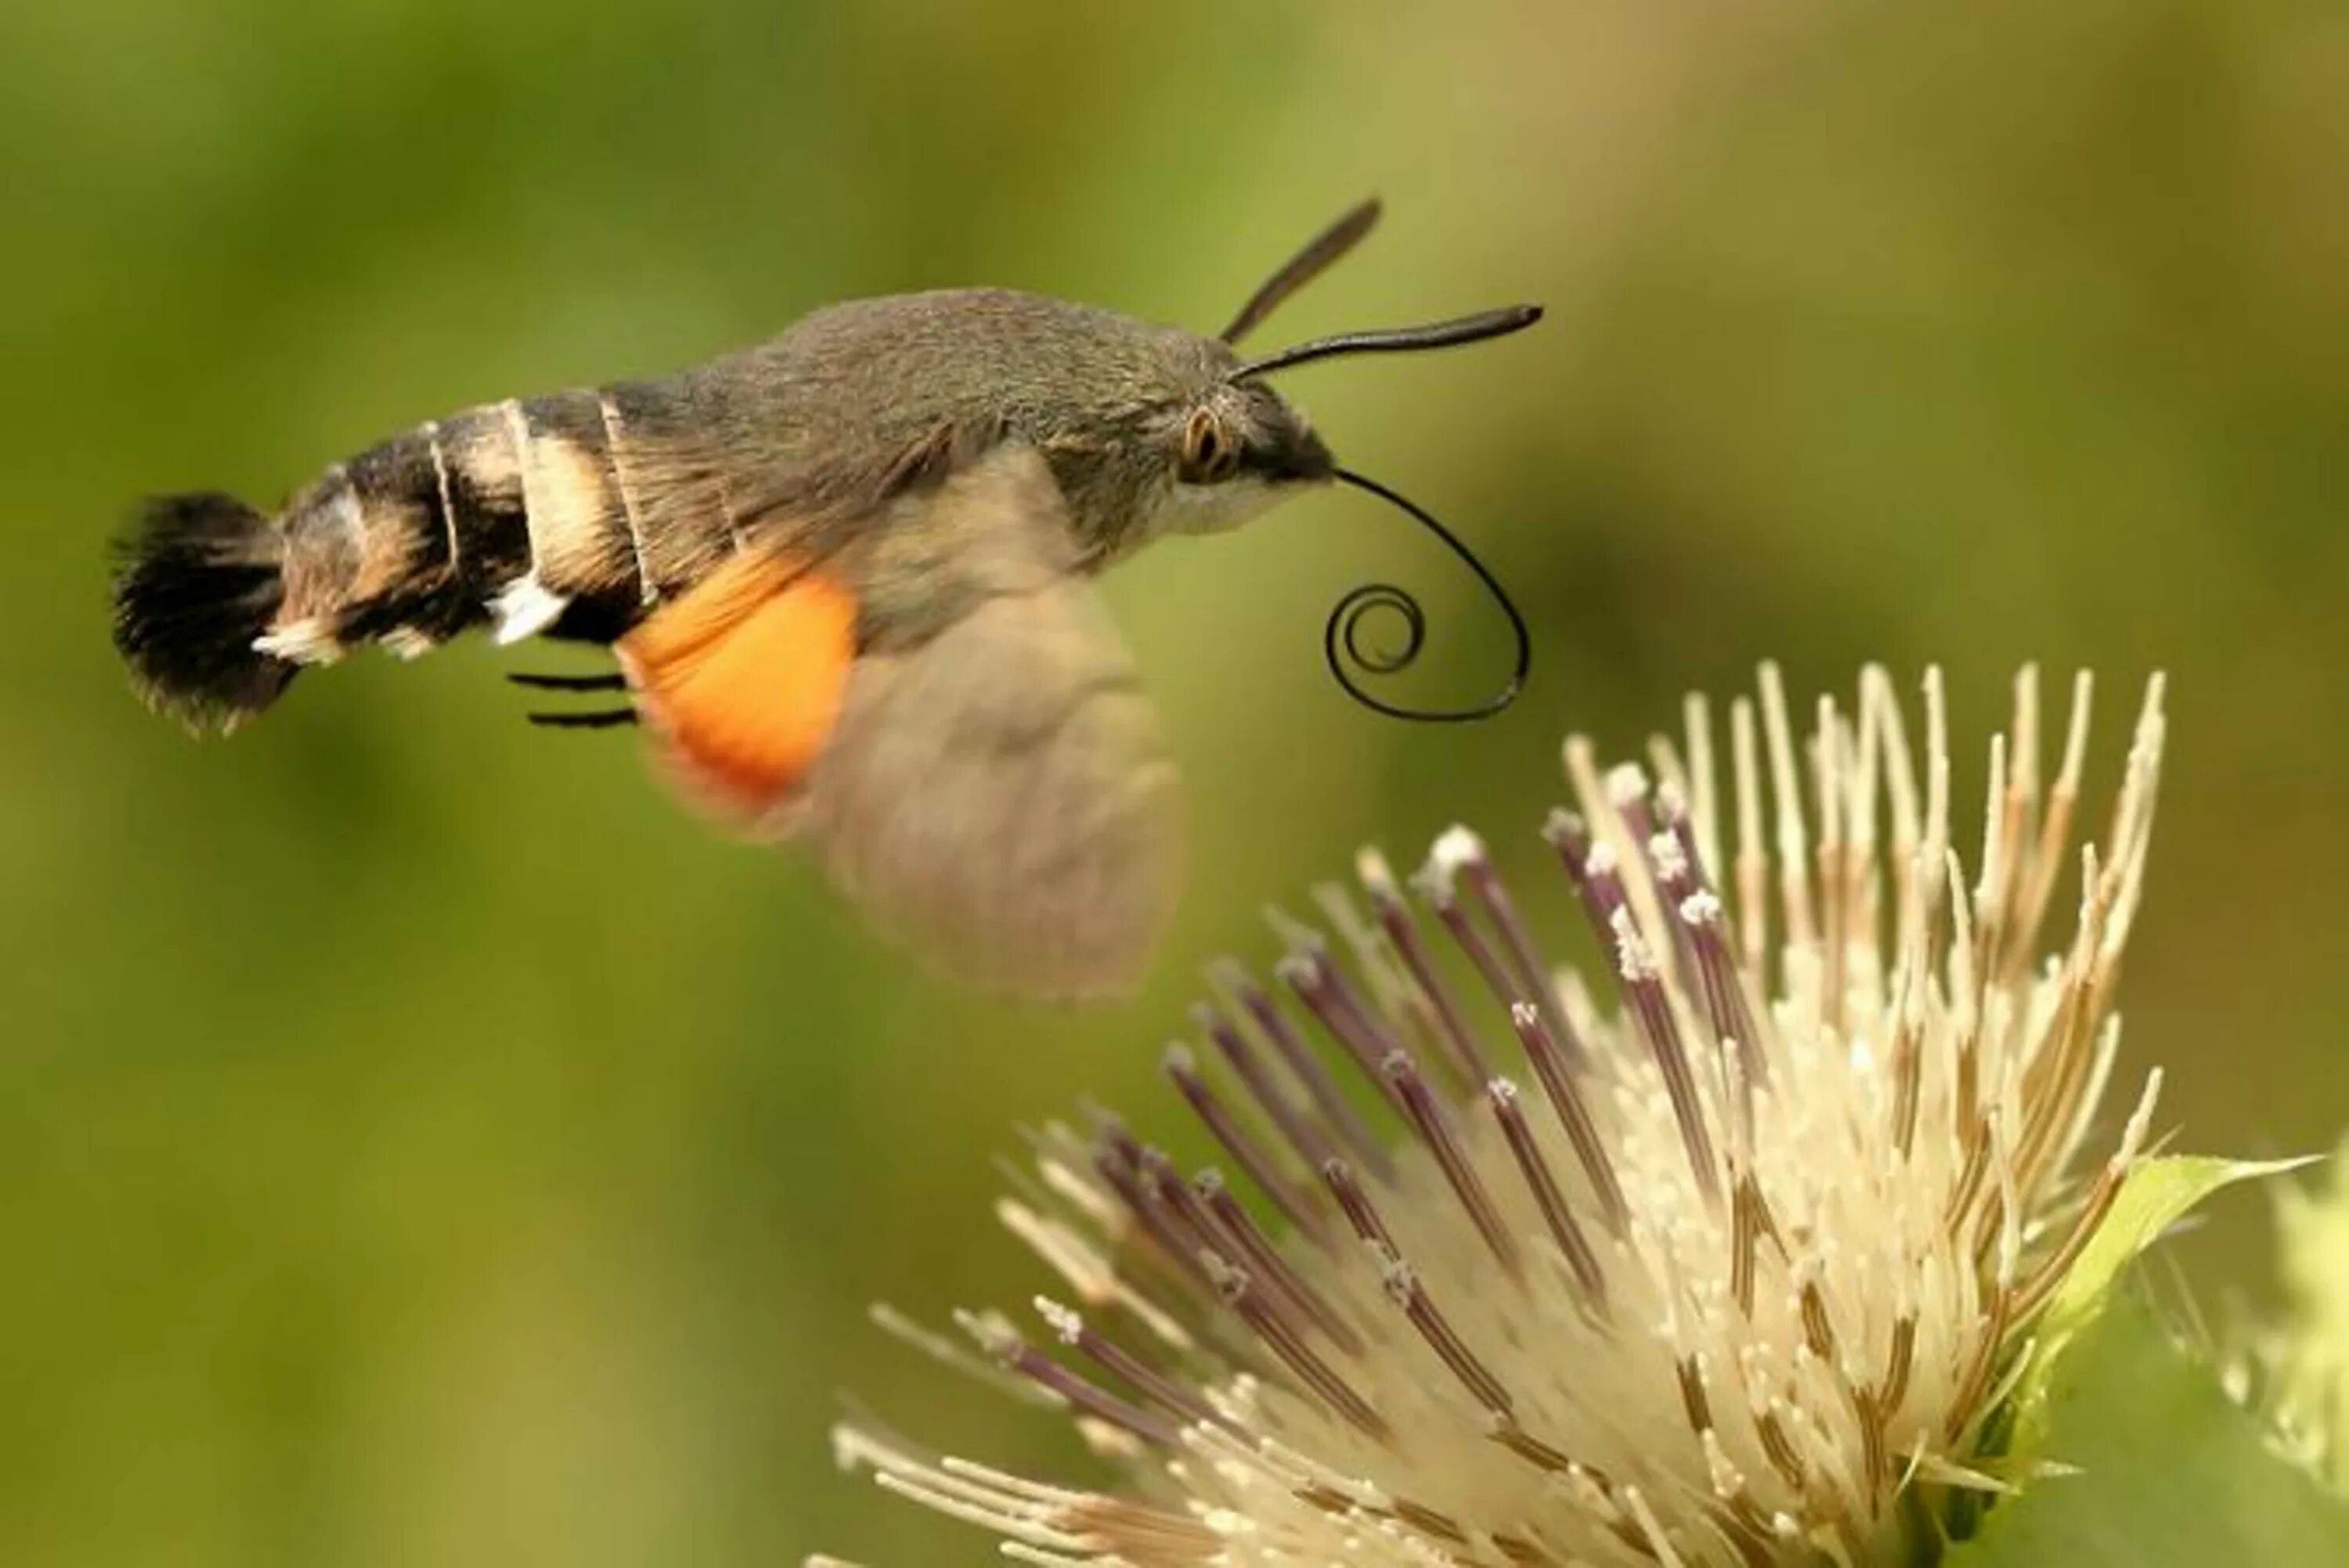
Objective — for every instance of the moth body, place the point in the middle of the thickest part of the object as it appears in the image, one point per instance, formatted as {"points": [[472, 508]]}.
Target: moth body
{"points": [[842, 575], [576, 513]]}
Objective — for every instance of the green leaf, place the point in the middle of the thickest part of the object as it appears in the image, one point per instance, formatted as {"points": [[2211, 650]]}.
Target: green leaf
{"points": [[2154, 1196], [2307, 1354], [2169, 1473]]}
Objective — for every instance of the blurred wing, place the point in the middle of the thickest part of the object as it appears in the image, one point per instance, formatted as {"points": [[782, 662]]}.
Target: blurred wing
{"points": [[999, 798], [997, 792], [986, 778]]}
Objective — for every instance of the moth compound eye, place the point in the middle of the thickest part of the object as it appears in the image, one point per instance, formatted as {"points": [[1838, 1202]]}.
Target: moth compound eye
{"points": [[1210, 456]]}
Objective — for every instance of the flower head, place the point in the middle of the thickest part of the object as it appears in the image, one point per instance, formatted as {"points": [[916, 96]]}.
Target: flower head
{"points": [[1720, 1260]]}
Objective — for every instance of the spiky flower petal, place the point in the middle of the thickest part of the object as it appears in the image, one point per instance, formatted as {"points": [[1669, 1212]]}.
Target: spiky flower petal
{"points": [[1728, 1269]]}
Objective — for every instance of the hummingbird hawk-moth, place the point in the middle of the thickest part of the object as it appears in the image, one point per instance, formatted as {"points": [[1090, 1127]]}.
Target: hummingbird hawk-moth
{"points": [[845, 577]]}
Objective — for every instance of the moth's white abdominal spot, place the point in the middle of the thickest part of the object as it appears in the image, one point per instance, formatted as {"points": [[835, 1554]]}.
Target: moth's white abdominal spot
{"points": [[406, 643], [309, 641], [523, 608], [1731, 1272]]}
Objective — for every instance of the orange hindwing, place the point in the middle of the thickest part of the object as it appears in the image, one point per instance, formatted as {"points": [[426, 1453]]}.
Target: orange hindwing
{"points": [[741, 680]]}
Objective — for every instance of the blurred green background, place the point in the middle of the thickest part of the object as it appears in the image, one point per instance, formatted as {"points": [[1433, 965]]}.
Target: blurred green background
{"points": [[421, 1144]]}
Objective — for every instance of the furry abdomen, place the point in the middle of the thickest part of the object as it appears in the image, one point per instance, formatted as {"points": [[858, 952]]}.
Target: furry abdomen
{"points": [[570, 514], [576, 512]]}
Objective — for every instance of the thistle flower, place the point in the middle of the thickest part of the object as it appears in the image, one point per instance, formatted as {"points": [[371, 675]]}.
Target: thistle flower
{"points": [[1730, 1267]]}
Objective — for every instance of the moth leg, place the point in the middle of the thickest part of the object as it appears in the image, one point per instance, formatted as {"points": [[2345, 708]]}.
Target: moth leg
{"points": [[607, 718], [570, 683]]}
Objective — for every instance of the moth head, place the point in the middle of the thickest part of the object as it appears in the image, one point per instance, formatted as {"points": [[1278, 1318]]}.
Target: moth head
{"points": [[1224, 444], [1235, 451], [1240, 445]]}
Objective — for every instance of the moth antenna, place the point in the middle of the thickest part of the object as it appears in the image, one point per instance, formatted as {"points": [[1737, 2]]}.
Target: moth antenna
{"points": [[1342, 637], [1474, 328], [1319, 253], [569, 683]]}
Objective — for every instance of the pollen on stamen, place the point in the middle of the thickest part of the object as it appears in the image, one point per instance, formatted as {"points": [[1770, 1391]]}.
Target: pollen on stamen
{"points": [[1721, 1254], [1454, 848]]}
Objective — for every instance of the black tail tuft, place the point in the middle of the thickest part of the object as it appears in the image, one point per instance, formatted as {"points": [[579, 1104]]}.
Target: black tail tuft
{"points": [[199, 578]]}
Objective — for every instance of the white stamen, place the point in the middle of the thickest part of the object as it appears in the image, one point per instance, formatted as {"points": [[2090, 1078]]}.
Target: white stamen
{"points": [[1454, 849], [1634, 959], [1672, 860], [1066, 1325], [1703, 796], [946, 1353], [1627, 786], [1377, 877]]}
